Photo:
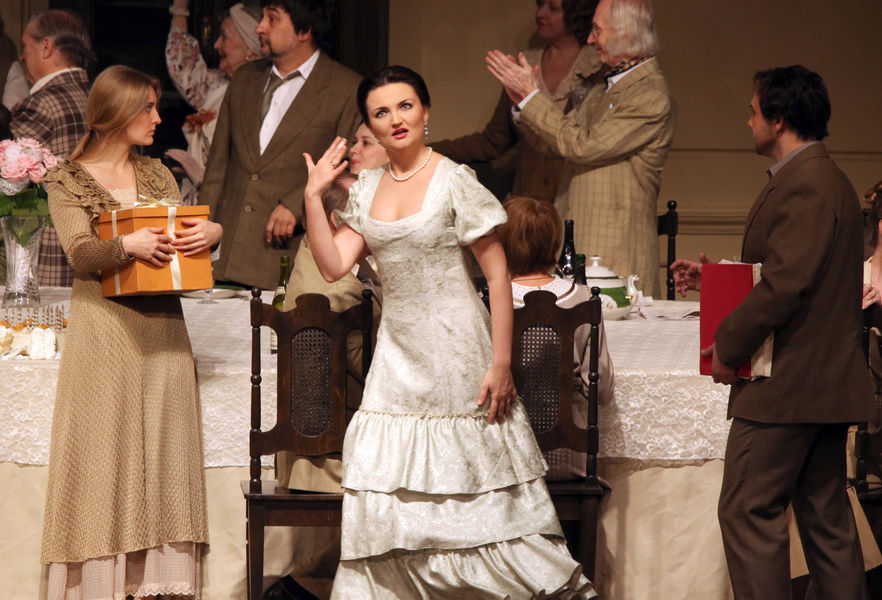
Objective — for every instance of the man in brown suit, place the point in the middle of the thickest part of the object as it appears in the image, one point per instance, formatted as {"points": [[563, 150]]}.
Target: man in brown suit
{"points": [[615, 144], [787, 440], [274, 111], [55, 51]]}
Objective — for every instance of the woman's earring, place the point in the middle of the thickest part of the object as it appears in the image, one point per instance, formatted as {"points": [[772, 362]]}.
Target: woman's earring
{"points": [[426, 132]]}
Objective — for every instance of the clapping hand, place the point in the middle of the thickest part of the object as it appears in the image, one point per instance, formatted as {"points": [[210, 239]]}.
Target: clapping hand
{"points": [[687, 273], [518, 77]]}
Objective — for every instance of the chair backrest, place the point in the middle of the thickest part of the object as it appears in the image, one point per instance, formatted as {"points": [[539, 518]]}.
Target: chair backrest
{"points": [[868, 437], [669, 225], [542, 365], [311, 371]]}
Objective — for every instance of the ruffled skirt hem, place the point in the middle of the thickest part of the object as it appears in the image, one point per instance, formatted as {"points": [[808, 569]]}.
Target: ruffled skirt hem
{"points": [[375, 523], [534, 567], [439, 454]]}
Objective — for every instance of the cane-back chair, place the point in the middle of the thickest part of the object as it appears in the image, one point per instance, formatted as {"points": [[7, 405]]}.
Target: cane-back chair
{"points": [[542, 365], [310, 412]]}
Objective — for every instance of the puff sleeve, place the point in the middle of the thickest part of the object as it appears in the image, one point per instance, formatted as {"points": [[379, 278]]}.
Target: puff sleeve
{"points": [[476, 211], [352, 214]]}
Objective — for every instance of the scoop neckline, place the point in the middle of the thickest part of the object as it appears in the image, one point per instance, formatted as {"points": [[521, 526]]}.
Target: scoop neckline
{"points": [[422, 206]]}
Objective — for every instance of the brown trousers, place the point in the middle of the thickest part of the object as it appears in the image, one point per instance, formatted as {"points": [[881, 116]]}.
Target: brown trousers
{"points": [[769, 466]]}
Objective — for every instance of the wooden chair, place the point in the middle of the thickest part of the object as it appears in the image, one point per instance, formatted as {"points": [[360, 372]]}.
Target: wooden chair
{"points": [[868, 444], [542, 365], [669, 225], [310, 412]]}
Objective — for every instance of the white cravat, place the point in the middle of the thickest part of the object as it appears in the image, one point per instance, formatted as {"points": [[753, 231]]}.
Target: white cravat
{"points": [[282, 99]]}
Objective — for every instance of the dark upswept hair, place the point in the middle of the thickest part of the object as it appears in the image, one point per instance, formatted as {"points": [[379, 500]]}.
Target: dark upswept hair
{"points": [[578, 16], [68, 35], [306, 15], [872, 215], [532, 235], [797, 97], [385, 76]]}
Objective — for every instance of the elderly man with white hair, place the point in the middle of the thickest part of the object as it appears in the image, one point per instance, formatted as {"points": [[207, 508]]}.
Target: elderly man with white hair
{"points": [[615, 143]]}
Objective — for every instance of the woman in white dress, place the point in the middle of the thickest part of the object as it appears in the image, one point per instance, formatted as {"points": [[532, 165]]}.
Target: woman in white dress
{"points": [[443, 488]]}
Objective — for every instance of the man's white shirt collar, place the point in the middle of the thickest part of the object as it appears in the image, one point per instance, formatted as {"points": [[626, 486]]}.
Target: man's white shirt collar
{"points": [[42, 81]]}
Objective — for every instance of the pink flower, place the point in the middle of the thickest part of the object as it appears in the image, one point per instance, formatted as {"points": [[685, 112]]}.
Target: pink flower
{"points": [[37, 172], [13, 171], [49, 159], [23, 166], [29, 143]]}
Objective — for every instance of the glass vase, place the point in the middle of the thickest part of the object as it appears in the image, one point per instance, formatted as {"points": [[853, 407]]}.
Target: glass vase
{"points": [[21, 236]]}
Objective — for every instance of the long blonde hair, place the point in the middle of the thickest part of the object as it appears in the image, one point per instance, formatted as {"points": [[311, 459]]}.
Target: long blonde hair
{"points": [[118, 95]]}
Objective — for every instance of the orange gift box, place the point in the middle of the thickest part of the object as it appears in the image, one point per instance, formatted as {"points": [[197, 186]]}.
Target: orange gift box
{"points": [[139, 277]]}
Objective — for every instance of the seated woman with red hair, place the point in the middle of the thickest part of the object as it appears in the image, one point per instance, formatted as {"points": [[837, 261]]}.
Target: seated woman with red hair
{"points": [[531, 239]]}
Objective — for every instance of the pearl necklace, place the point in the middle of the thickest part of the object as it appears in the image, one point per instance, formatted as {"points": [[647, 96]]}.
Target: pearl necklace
{"points": [[412, 173]]}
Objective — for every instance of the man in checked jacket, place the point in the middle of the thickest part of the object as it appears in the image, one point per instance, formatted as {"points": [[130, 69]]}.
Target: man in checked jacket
{"points": [[55, 53]]}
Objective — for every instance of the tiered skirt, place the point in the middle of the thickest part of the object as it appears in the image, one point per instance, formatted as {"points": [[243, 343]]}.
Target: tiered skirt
{"points": [[449, 506]]}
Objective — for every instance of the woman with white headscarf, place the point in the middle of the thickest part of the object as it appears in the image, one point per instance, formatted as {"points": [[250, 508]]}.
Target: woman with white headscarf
{"points": [[204, 88]]}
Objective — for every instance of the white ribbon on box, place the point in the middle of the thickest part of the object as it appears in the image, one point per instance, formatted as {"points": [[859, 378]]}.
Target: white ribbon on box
{"points": [[144, 201], [175, 263]]}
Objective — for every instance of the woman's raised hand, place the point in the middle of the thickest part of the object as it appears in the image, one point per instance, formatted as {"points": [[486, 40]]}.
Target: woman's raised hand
{"points": [[499, 388], [150, 244], [200, 234], [323, 173]]}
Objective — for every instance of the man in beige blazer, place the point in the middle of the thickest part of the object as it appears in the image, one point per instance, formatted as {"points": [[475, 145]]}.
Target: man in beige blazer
{"points": [[255, 175], [787, 440], [615, 143]]}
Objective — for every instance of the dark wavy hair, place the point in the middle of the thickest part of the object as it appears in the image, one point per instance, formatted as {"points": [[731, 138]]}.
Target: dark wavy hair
{"points": [[578, 16], [795, 96], [68, 35], [385, 76], [306, 15]]}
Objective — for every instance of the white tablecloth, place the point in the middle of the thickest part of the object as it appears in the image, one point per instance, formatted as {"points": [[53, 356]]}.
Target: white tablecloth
{"points": [[663, 409], [220, 334], [658, 531]]}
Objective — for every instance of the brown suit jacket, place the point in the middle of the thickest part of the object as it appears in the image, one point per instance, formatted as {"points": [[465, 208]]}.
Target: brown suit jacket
{"points": [[615, 145], [243, 186], [805, 228]]}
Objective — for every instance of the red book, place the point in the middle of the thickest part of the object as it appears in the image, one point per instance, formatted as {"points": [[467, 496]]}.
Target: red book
{"points": [[723, 287]]}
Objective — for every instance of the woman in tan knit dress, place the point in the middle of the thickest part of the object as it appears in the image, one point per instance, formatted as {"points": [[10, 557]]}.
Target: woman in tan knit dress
{"points": [[125, 508]]}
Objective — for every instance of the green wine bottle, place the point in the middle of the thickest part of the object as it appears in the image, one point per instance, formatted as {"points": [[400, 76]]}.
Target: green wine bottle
{"points": [[279, 297]]}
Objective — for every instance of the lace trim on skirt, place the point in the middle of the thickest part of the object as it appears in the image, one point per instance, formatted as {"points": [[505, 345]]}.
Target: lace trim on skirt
{"points": [[173, 569]]}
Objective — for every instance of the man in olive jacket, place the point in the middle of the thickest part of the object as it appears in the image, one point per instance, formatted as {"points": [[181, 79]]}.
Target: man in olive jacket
{"points": [[787, 440], [255, 175]]}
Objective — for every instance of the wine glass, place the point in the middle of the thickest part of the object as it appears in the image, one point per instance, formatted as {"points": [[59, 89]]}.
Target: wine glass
{"points": [[208, 299]]}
